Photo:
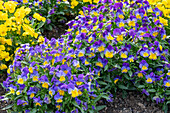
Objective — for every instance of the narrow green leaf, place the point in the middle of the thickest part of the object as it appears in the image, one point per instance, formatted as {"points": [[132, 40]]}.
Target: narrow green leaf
{"points": [[102, 83], [130, 73], [8, 107], [141, 86], [34, 110], [106, 97], [76, 105], [106, 68], [98, 108], [40, 25], [122, 87], [151, 90]]}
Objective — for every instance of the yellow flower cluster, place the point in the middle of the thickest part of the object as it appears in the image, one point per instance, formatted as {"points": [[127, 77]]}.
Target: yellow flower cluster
{"points": [[74, 3], [39, 17], [163, 5], [15, 27]]}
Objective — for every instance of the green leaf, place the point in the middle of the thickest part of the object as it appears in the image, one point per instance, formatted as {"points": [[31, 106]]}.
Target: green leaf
{"points": [[106, 68], [167, 92], [8, 107], [106, 97], [165, 108], [34, 110], [151, 90], [24, 62], [130, 73], [97, 99], [98, 108], [91, 111], [167, 102], [108, 79], [122, 87], [102, 55], [131, 88], [102, 83], [141, 86], [40, 25], [76, 105]]}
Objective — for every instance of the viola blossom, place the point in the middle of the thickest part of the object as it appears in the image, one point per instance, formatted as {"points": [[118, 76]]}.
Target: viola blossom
{"points": [[109, 52], [144, 52], [32, 91], [120, 22], [157, 99], [80, 80], [163, 34], [51, 91], [37, 101], [141, 33], [125, 67], [145, 92], [22, 102], [168, 73], [21, 79], [34, 76], [140, 74], [120, 14], [101, 62], [160, 70], [36, 3], [91, 39], [163, 52], [116, 79], [73, 91], [154, 32], [86, 62], [157, 12], [76, 63], [109, 37], [131, 58], [61, 76], [66, 69], [118, 34], [81, 53], [143, 65], [139, 15], [47, 100], [84, 30], [150, 78], [153, 54], [12, 89], [167, 83], [124, 54], [132, 21], [62, 89], [101, 46], [44, 80]]}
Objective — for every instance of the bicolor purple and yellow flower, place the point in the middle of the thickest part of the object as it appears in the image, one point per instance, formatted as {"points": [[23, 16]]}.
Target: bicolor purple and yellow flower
{"points": [[144, 52], [58, 98], [61, 76], [124, 54], [153, 54], [37, 101], [150, 78], [167, 83], [31, 92], [109, 52], [125, 67], [101, 62], [143, 65]]}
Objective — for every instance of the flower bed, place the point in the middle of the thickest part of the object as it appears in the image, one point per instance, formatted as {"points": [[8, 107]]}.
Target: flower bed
{"points": [[110, 45], [16, 29]]}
